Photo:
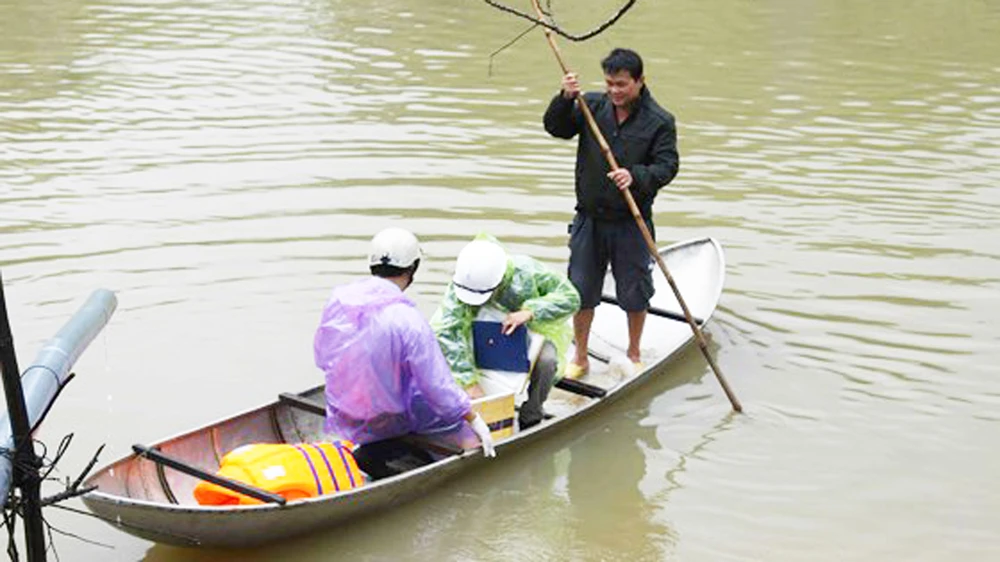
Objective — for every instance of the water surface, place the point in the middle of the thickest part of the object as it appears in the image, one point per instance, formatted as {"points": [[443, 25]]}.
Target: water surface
{"points": [[222, 166]]}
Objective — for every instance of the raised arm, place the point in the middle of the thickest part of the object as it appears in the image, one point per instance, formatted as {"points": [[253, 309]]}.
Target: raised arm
{"points": [[562, 119]]}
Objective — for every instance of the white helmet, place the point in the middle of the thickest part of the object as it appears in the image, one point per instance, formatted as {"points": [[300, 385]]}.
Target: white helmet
{"points": [[396, 247], [478, 271]]}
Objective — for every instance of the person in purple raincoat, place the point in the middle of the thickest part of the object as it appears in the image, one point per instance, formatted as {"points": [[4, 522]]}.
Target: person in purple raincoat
{"points": [[385, 374]]}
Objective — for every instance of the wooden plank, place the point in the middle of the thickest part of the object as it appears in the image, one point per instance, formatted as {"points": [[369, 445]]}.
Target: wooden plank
{"points": [[581, 388], [301, 403], [657, 311], [307, 405], [428, 443]]}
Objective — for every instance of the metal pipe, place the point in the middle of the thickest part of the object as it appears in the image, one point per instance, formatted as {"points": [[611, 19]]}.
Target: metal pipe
{"points": [[43, 379]]}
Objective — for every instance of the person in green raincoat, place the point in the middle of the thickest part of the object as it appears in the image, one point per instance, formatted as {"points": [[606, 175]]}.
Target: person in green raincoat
{"points": [[529, 293]]}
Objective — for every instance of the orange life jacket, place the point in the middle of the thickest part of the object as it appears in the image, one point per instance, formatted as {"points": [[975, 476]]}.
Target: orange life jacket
{"points": [[294, 472]]}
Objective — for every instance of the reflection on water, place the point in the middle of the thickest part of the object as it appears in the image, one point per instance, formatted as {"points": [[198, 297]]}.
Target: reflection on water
{"points": [[221, 167], [589, 493], [611, 515]]}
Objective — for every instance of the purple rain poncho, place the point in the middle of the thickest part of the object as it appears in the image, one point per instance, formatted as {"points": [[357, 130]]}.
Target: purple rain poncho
{"points": [[385, 374]]}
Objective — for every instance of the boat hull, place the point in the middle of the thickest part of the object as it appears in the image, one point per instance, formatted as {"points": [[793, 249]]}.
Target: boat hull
{"points": [[142, 498]]}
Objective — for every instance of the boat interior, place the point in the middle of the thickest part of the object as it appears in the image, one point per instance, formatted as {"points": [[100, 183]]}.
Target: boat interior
{"points": [[298, 418]]}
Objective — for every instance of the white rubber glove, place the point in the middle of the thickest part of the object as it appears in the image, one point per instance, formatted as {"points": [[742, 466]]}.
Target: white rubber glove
{"points": [[483, 432]]}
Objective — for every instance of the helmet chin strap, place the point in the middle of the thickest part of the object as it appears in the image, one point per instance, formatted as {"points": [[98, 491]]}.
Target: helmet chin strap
{"points": [[479, 291], [411, 272]]}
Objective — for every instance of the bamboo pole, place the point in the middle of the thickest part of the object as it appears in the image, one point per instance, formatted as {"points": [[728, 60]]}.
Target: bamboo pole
{"points": [[25, 463], [630, 201]]}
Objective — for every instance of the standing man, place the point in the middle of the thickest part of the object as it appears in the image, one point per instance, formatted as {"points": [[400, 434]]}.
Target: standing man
{"points": [[643, 138], [385, 374]]}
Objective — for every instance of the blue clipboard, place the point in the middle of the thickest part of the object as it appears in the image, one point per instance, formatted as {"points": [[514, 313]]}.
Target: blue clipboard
{"points": [[497, 351]]}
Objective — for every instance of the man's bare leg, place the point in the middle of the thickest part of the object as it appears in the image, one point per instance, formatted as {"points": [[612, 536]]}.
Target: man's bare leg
{"points": [[581, 336], [636, 321]]}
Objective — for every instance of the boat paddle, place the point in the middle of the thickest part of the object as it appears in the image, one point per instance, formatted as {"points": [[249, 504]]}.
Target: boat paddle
{"points": [[630, 201]]}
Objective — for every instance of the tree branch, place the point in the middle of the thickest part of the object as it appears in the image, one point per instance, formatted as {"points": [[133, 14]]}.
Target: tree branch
{"points": [[558, 30]]}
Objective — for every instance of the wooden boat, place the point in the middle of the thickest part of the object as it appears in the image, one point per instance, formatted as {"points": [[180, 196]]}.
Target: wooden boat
{"points": [[155, 502]]}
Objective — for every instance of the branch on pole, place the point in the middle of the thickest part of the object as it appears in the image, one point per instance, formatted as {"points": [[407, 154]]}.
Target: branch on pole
{"points": [[551, 25]]}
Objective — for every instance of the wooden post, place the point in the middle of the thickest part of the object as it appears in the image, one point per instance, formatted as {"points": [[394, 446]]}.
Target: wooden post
{"points": [[25, 462]]}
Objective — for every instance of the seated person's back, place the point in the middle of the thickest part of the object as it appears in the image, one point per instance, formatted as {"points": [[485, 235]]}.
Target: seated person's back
{"points": [[385, 374]]}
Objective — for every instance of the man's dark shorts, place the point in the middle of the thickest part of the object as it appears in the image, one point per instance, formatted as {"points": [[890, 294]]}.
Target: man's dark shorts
{"points": [[593, 244]]}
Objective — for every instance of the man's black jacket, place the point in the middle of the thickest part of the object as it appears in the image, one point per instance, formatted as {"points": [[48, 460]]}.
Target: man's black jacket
{"points": [[646, 144]]}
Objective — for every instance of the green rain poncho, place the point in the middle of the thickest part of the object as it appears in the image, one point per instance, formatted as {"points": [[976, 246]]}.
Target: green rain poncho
{"points": [[527, 285]]}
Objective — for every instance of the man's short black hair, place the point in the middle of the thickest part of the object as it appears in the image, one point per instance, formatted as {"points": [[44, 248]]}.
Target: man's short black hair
{"points": [[623, 59], [385, 270]]}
